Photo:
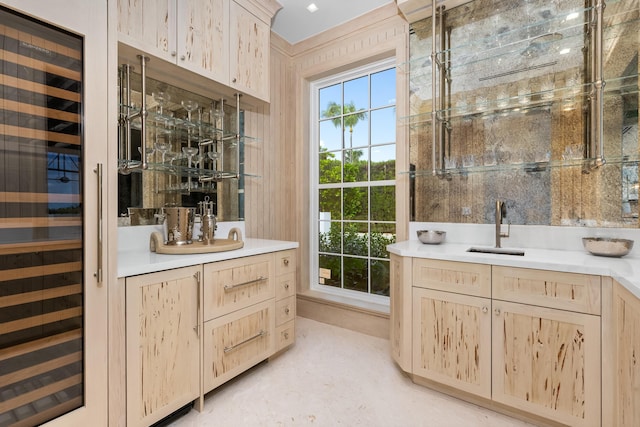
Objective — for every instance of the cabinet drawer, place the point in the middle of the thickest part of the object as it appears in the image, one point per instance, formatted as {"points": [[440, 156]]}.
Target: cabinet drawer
{"points": [[285, 262], [460, 277], [235, 342], [565, 291], [285, 310], [236, 284], [285, 335], [285, 286]]}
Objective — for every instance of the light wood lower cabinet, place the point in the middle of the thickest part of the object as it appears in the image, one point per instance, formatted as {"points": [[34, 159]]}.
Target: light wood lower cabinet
{"points": [[163, 343], [519, 339], [547, 362], [451, 333], [249, 312], [625, 367], [238, 283], [285, 299], [235, 342], [191, 329]]}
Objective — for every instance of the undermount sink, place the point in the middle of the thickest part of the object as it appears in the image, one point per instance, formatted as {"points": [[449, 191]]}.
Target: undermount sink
{"points": [[499, 251]]}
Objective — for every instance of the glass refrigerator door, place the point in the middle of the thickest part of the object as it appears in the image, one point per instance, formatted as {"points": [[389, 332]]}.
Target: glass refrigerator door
{"points": [[41, 221]]}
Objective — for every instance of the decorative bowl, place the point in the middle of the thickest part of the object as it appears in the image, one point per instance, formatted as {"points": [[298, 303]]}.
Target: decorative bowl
{"points": [[431, 237], [607, 246]]}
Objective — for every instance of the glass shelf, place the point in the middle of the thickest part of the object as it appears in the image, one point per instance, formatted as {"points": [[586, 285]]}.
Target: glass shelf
{"points": [[529, 167], [197, 131], [562, 98], [179, 169], [541, 37]]}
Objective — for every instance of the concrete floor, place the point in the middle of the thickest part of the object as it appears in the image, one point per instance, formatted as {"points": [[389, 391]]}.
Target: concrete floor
{"points": [[335, 377]]}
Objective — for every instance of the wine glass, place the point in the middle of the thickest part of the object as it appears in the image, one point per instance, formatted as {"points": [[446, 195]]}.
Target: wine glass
{"points": [[163, 147], [149, 152], [213, 155], [190, 152], [190, 106], [162, 98]]}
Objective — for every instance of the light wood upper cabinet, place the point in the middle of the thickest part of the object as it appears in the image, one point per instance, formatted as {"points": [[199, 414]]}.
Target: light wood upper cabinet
{"points": [[163, 343], [547, 362], [227, 41], [250, 45], [150, 26], [193, 34], [203, 37], [451, 336]]}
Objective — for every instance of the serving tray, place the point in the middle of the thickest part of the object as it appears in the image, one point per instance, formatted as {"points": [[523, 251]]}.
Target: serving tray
{"points": [[234, 241]]}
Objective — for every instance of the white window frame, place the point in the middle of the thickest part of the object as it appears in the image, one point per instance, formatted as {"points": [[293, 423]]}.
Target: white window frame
{"points": [[314, 142]]}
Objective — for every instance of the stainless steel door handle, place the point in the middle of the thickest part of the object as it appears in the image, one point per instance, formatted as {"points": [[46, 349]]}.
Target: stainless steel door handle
{"points": [[98, 273]]}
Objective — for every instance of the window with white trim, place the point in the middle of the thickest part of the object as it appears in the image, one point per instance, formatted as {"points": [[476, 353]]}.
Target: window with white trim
{"points": [[353, 193]]}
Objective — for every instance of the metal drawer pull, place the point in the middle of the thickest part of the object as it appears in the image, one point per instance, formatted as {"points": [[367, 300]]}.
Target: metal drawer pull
{"points": [[250, 282], [233, 347], [286, 310], [286, 261]]}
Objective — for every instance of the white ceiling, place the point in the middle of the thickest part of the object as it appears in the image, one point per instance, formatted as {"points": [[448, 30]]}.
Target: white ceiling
{"points": [[295, 23]]}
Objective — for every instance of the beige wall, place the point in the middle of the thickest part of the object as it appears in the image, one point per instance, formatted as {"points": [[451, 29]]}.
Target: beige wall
{"points": [[277, 206]]}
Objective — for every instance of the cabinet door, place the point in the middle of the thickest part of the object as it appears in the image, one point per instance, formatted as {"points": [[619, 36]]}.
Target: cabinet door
{"points": [[238, 283], [547, 362], [163, 343], [625, 404], [400, 316], [149, 26], [203, 38], [237, 341], [451, 340], [249, 48]]}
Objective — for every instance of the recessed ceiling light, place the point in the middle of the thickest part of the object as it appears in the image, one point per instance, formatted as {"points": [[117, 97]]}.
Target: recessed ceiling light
{"points": [[312, 7]]}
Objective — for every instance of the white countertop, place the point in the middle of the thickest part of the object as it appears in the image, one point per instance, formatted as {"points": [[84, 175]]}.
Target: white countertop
{"points": [[134, 256], [625, 270]]}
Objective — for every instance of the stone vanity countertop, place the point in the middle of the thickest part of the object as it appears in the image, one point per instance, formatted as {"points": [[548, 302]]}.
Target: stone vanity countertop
{"points": [[134, 256], [625, 270]]}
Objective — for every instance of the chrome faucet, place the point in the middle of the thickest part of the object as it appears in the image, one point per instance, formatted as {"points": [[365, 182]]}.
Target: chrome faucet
{"points": [[501, 212]]}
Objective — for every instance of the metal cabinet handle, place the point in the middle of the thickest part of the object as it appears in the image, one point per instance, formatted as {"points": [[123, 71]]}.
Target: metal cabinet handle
{"points": [[182, 57], [98, 273], [174, 53], [496, 312], [233, 347], [233, 80], [196, 275], [485, 309], [286, 286], [286, 335], [286, 262], [286, 310], [250, 282]]}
